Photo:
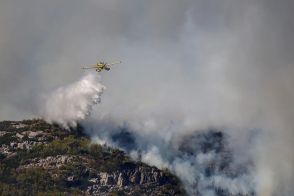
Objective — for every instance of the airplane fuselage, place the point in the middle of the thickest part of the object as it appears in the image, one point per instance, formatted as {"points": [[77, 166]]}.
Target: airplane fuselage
{"points": [[99, 66]]}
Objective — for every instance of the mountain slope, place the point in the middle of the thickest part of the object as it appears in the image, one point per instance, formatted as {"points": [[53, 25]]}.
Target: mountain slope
{"points": [[42, 159]]}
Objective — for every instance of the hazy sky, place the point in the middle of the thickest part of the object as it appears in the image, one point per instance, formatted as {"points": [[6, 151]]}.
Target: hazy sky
{"points": [[182, 46], [198, 63]]}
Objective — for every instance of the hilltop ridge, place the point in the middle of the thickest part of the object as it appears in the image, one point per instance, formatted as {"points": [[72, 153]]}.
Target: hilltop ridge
{"points": [[38, 158]]}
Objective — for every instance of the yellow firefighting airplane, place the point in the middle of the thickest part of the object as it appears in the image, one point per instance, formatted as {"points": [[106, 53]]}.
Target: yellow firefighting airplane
{"points": [[100, 65]]}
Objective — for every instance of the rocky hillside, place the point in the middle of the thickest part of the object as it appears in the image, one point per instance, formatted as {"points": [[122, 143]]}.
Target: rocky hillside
{"points": [[42, 159]]}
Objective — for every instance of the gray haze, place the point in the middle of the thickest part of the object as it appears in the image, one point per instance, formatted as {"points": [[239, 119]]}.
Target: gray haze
{"points": [[187, 65]]}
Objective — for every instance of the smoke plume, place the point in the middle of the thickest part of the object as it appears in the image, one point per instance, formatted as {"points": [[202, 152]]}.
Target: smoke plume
{"points": [[191, 69], [70, 104]]}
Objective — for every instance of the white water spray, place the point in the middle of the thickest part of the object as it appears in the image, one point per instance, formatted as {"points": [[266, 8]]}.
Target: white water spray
{"points": [[70, 104]]}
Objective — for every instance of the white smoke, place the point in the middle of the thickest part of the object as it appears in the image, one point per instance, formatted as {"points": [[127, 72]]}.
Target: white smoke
{"points": [[68, 105], [205, 161], [188, 65]]}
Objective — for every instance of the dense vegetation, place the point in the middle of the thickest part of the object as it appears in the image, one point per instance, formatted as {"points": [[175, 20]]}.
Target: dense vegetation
{"points": [[15, 179]]}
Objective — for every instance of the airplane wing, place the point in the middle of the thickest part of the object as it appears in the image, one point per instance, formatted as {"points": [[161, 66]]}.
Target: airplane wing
{"points": [[91, 67], [88, 67], [115, 62]]}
